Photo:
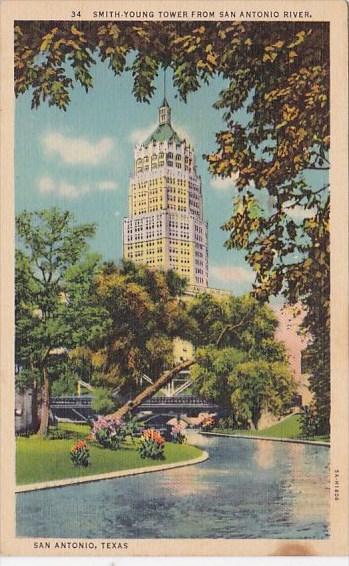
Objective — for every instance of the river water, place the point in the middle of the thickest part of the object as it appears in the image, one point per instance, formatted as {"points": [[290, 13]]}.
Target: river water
{"points": [[247, 489]]}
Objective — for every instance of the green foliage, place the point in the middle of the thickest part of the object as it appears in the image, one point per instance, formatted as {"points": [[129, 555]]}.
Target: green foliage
{"points": [[56, 433], [26, 378], [225, 423], [132, 426], [279, 73], [151, 445], [177, 434], [211, 372], [54, 283], [108, 432], [102, 401], [80, 454], [249, 372], [310, 423], [239, 322], [208, 424], [260, 385], [144, 314], [243, 388]]}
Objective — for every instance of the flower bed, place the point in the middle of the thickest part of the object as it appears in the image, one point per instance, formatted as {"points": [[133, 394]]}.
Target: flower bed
{"points": [[108, 432], [151, 445], [80, 454], [41, 460]]}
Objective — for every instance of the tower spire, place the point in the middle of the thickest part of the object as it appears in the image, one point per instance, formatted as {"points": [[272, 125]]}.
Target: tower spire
{"points": [[165, 83], [164, 110]]}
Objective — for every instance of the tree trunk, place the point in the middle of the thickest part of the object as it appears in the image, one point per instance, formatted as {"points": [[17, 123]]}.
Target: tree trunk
{"points": [[256, 415], [165, 377], [35, 420], [45, 405], [149, 391]]}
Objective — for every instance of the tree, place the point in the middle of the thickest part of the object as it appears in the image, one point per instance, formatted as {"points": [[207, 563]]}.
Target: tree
{"points": [[242, 387], [144, 314], [54, 282], [227, 333], [259, 385], [241, 322], [278, 72], [211, 374], [247, 372]]}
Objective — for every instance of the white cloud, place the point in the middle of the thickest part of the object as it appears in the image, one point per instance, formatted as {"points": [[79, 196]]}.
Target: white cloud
{"points": [[117, 213], [184, 133], [62, 188], [299, 212], [107, 186], [46, 185], [68, 190], [77, 150], [231, 274], [139, 135], [223, 184]]}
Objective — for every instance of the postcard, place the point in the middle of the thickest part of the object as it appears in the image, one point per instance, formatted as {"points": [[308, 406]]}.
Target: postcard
{"points": [[174, 278]]}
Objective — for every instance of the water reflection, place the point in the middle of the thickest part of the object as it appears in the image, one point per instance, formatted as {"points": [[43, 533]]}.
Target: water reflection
{"points": [[308, 475], [265, 454], [247, 489]]}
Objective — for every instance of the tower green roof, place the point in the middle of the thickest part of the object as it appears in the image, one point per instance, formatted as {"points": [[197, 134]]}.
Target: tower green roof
{"points": [[162, 133]]}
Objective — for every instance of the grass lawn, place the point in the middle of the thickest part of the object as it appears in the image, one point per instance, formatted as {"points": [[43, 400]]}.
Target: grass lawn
{"points": [[40, 460], [288, 428]]}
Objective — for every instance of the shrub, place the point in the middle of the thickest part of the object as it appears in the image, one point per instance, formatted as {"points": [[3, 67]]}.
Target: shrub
{"points": [[152, 445], [108, 432], [208, 423], [309, 421], [225, 423], [57, 434], [177, 434], [80, 454], [132, 427]]}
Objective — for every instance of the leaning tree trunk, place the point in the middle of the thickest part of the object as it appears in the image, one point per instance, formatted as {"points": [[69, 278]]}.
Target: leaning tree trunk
{"points": [[45, 404], [166, 376], [149, 391]]}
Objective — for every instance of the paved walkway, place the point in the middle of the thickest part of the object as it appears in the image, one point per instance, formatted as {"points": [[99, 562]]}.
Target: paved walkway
{"points": [[272, 438]]}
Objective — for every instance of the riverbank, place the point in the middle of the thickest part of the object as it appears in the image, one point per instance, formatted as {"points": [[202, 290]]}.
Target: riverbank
{"points": [[39, 461], [270, 438], [288, 430], [225, 497], [112, 475]]}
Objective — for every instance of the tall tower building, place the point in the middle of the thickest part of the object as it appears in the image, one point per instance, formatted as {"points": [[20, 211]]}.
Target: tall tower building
{"points": [[165, 227]]}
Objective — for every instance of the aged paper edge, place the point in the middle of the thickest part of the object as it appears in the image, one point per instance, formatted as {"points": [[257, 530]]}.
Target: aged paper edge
{"points": [[334, 11]]}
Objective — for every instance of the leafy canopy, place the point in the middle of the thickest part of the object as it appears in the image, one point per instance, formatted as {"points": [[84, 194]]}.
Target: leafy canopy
{"points": [[277, 72], [144, 314], [239, 364], [54, 281]]}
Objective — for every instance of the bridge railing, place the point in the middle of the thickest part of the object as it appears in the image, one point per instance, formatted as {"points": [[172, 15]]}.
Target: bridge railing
{"points": [[71, 401], [185, 400], [74, 401]]}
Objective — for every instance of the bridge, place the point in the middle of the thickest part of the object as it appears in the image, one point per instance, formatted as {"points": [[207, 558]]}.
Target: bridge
{"points": [[78, 408], [72, 408], [183, 403]]}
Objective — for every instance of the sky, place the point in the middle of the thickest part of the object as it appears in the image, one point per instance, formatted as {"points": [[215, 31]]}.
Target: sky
{"points": [[81, 160]]}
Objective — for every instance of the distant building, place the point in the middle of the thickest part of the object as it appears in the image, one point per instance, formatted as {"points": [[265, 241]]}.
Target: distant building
{"points": [[24, 411], [289, 332], [165, 228]]}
